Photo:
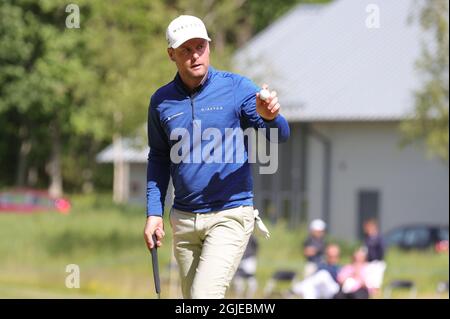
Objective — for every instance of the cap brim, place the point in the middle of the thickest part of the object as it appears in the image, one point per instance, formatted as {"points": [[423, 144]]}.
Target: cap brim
{"points": [[181, 41]]}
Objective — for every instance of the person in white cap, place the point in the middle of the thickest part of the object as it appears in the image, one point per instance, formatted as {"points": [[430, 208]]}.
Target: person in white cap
{"points": [[314, 246], [212, 216]]}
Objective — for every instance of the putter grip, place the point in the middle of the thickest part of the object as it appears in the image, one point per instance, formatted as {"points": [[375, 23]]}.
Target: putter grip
{"points": [[154, 252]]}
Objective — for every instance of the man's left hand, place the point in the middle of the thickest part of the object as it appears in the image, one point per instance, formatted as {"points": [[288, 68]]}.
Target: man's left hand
{"points": [[268, 109]]}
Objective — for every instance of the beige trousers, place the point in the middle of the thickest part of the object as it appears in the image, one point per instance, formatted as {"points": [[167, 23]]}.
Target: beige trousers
{"points": [[208, 248]]}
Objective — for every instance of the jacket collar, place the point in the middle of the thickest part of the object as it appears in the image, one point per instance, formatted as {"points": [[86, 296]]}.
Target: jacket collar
{"points": [[181, 86]]}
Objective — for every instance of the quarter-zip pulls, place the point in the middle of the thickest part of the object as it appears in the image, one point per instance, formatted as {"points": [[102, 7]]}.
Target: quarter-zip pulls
{"points": [[191, 97], [192, 93]]}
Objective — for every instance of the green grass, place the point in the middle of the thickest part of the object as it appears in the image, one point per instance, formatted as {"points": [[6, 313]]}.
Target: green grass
{"points": [[106, 241], [283, 251]]}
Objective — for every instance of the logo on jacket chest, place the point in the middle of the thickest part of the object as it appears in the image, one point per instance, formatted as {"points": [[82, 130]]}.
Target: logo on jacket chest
{"points": [[211, 108]]}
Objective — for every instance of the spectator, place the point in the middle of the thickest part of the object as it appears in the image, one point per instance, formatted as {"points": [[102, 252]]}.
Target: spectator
{"points": [[373, 241], [314, 246], [245, 283], [375, 254], [323, 283], [354, 278]]}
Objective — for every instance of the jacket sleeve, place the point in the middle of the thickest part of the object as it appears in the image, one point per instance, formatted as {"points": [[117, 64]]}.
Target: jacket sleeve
{"points": [[245, 95], [158, 166]]}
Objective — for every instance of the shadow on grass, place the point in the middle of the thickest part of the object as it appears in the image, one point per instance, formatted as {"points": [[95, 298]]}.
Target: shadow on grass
{"points": [[70, 242], [102, 202]]}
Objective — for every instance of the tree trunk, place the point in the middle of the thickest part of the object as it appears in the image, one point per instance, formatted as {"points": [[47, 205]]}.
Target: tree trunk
{"points": [[25, 148], [32, 177], [244, 34], [88, 173], [54, 167], [119, 187], [219, 42]]}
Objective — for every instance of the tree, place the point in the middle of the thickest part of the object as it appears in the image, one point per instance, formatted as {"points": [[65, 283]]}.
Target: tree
{"points": [[65, 93], [430, 118], [40, 71], [126, 48]]}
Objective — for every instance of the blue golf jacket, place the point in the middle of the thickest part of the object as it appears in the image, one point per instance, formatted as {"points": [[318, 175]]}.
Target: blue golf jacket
{"points": [[186, 123]]}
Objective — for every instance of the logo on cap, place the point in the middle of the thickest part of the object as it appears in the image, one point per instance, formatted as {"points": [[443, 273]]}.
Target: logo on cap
{"points": [[184, 28]]}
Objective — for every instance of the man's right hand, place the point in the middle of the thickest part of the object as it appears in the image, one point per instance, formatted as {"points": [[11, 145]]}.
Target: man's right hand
{"points": [[154, 225]]}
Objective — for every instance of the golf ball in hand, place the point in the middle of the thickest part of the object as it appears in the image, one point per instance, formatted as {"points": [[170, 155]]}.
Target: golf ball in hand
{"points": [[264, 94]]}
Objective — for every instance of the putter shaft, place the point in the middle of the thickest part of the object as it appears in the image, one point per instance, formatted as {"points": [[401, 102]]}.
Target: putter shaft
{"points": [[154, 252]]}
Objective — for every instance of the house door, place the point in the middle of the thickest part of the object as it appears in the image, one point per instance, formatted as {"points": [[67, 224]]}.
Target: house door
{"points": [[368, 208]]}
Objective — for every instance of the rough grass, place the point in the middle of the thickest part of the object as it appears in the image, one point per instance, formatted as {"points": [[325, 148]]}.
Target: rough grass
{"points": [[105, 241]]}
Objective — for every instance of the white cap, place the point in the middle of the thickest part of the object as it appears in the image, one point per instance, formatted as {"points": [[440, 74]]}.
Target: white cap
{"points": [[185, 28], [318, 225]]}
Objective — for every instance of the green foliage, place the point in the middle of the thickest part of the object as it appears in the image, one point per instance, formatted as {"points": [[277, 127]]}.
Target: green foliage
{"points": [[40, 71], [125, 46], [72, 90], [430, 119], [265, 12]]}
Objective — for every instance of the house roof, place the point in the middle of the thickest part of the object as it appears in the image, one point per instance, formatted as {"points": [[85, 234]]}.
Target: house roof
{"points": [[327, 65], [133, 151]]}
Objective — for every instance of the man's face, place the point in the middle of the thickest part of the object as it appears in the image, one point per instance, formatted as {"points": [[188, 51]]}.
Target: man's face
{"points": [[317, 233], [371, 229], [332, 254], [191, 58], [359, 256]]}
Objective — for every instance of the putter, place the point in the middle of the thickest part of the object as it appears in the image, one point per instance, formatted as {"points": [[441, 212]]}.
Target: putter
{"points": [[154, 252]]}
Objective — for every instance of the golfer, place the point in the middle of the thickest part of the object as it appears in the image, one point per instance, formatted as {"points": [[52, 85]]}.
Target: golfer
{"points": [[212, 216]]}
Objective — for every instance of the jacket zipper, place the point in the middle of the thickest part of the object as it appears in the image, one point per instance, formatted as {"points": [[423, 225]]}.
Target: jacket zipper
{"points": [[192, 97], [192, 107]]}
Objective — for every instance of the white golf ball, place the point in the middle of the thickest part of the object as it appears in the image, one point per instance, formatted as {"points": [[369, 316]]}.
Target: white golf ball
{"points": [[264, 94]]}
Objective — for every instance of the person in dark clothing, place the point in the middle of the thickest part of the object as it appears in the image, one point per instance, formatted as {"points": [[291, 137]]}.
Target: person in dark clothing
{"points": [[331, 264], [245, 283], [374, 246], [323, 284], [314, 246], [361, 293], [373, 241], [252, 248]]}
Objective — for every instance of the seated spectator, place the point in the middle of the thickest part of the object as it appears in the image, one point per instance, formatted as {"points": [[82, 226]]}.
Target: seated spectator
{"points": [[375, 253], [314, 246], [323, 283], [354, 278]]}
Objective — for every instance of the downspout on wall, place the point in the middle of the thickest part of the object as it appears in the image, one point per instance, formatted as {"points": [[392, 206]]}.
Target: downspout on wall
{"points": [[326, 182]]}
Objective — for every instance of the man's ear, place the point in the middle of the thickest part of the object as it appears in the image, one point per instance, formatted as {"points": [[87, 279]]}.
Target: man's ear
{"points": [[171, 53]]}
